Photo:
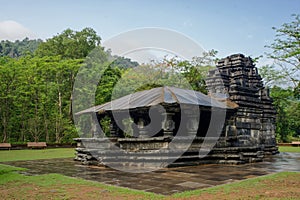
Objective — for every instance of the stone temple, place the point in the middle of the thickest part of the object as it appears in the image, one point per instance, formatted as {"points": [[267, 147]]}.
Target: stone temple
{"points": [[234, 123]]}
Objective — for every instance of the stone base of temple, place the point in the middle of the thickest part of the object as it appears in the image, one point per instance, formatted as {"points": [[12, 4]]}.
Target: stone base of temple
{"points": [[160, 152], [271, 150]]}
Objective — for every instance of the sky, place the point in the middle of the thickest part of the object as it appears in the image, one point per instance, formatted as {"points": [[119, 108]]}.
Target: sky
{"points": [[228, 26]]}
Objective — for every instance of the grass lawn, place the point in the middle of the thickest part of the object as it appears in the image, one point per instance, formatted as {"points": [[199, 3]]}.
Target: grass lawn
{"points": [[289, 149], [55, 186], [13, 185], [35, 154], [283, 185]]}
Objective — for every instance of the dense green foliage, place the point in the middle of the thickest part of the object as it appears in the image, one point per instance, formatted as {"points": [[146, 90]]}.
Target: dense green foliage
{"points": [[37, 79], [123, 63], [18, 48], [35, 97], [283, 78], [36, 91], [166, 72], [70, 44], [286, 101], [288, 113]]}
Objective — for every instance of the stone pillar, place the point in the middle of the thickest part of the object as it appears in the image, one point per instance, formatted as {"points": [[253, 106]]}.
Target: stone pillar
{"points": [[143, 133], [135, 130], [96, 130], [192, 125], [193, 117], [114, 129], [116, 125], [168, 124]]}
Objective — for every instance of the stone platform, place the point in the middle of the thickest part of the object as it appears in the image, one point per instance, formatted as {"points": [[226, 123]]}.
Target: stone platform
{"points": [[168, 180], [158, 152]]}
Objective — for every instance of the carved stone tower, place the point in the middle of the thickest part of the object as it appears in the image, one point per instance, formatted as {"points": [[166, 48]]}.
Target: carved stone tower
{"points": [[237, 79]]}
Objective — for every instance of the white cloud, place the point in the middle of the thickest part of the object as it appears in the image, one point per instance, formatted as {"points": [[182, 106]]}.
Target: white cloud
{"points": [[12, 30]]}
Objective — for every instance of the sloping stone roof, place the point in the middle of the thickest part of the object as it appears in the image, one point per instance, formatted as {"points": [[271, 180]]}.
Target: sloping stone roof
{"points": [[160, 95]]}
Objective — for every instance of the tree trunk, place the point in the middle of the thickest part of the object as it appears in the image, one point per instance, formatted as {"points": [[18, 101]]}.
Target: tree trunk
{"points": [[46, 127], [37, 120], [58, 121], [71, 97], [5, 118], [70, 108], [22, 136], [4, 124]]}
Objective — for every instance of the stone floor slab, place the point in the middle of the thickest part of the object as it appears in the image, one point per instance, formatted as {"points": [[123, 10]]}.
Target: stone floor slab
{"points": [[164, 181]]}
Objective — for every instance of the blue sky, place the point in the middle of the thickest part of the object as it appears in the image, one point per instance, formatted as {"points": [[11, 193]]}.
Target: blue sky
{"points": [[229, 26]]}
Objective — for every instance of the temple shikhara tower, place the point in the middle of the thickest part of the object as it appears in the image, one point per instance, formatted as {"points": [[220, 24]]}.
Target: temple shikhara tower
{"points": [[186, 123], [237, 79]]}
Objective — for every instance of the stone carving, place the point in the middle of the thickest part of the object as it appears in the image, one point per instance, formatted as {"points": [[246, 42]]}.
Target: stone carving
{"points": [[255, 116]]}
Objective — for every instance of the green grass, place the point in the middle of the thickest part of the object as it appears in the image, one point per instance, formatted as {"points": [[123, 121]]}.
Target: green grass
{"points": [[7, 169], [35, 154], [60, 184], [56, 186], [29, 154], [47, 182], [289, 149], [233, 187]]}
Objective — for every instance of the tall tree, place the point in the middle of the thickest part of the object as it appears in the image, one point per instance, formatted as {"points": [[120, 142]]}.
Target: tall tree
{"points": [[288, 113], [286, 50], [70, 44], [285, 73], [8, 84], [166, 72]]}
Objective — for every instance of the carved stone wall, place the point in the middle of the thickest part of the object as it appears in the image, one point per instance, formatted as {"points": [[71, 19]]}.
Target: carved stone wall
{"points": [[237, 79]]}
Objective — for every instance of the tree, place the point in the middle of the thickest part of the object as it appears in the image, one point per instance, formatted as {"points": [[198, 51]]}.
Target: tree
{"points": [[285, 73], [36, 89], [35, 98], [288, 113], [70, 44], [271, 76], [123, 63], [8, 84], [106, 85], [18, 48], [166, 72], [286, 51]]}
